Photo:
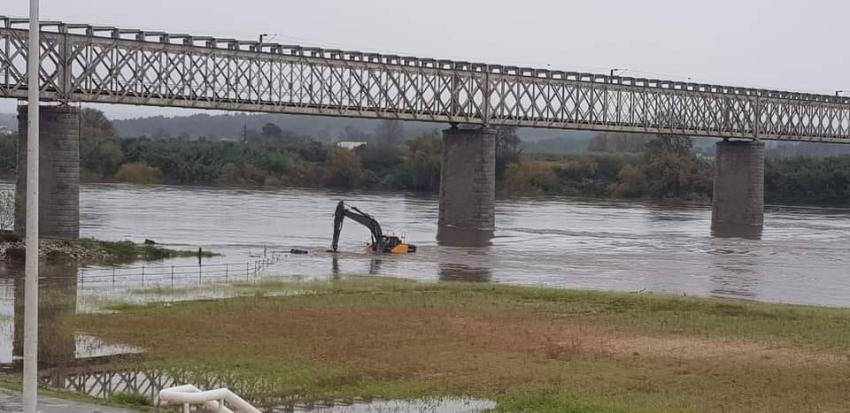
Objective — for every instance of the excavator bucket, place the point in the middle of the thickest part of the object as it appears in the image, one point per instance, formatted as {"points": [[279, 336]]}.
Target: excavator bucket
{"points": [[380, 243]]}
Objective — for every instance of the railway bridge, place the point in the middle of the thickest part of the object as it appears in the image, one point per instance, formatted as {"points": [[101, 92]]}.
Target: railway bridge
{"points": [[101, 64]]}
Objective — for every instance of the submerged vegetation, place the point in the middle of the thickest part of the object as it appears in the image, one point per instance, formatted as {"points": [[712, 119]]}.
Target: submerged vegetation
{"points": [[530, 349], [128, 251], [91, 251]]}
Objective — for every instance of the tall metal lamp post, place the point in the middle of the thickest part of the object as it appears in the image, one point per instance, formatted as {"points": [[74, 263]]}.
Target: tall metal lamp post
{"points": [[30, 384], [613, 73]]}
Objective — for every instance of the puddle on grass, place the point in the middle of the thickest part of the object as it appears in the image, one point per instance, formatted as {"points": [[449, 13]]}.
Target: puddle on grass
{"points": [[88, 347], [105, 381]]}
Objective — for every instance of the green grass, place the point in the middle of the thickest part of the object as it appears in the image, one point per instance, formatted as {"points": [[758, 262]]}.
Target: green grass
{"points": [[162, 292], [643, 312], [128, 251], [124, 400], [130, 399], [118, 252], [530, 349]]}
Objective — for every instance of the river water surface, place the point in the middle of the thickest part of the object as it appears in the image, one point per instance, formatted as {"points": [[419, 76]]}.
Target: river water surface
{"points": [[802, 257]]}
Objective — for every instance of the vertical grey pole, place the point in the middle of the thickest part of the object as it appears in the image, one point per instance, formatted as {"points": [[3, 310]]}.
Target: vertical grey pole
{"points": [[30, 384]]}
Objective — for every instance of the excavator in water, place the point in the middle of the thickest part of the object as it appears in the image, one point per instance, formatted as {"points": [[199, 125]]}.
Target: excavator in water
{"points": [[380, 243]]}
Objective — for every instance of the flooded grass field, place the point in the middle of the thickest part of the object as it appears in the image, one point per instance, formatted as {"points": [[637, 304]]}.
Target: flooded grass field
{"points": [[630, 247]]}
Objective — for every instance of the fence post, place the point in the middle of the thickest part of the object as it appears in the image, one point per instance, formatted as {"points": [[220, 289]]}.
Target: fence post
{"points": [[143, 276], [113, 276], [247, 265], [172, 276], [226, 267]]}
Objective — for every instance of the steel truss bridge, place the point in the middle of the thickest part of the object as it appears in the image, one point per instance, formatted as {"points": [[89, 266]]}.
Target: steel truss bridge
{"points": [[84, 63]]}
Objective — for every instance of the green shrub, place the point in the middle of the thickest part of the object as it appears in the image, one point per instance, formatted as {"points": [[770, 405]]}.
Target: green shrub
{"points": [[530, 177], [343, 168], [130, 399], [138, 173]]}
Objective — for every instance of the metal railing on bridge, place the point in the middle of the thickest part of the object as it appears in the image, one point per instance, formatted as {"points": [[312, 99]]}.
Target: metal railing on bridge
{"points": [[106, 64]]}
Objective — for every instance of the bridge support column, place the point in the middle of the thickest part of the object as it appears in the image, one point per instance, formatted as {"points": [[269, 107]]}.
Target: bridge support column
{"points": [[467, 186], [59, 172], [738, 202]]}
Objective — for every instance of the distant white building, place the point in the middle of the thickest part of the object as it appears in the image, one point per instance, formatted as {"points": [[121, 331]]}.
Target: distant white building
{"points": [[6, 131], [351, 145]]}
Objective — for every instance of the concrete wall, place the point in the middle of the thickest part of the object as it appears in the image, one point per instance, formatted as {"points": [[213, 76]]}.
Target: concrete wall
{"points": [[59, 172], [738, 202], [468, 180]]}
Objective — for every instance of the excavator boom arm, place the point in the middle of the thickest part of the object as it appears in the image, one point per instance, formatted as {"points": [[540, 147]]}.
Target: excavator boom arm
{"points": [[358, 216]]}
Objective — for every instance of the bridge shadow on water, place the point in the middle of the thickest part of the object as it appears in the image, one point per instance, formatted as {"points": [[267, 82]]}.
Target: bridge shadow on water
{"points": [[474, 243], [737, 231]]}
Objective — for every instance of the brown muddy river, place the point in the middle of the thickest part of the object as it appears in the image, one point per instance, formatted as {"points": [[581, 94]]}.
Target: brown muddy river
{"points": [[612, 245], [801, 258]]}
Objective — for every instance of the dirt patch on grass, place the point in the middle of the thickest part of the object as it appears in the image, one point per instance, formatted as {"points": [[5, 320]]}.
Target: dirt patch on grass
{"points": [[597, 344], [432, 341], [486, 348]]}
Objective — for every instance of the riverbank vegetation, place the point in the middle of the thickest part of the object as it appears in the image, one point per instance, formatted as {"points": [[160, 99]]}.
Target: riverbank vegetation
{"points": [[91, 251], [529, 349], [614, 165]]}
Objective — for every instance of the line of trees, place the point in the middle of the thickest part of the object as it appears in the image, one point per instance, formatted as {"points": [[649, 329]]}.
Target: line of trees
{"points": [[269, 157], [667, 168], [648, 166]]}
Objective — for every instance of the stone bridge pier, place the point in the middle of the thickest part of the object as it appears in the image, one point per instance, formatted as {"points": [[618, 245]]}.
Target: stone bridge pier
{"points": [[59, 172], [467, 186], [738, 201]]}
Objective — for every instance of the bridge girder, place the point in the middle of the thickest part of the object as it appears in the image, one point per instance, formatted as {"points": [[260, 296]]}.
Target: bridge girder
{"points": [[105, 64]]}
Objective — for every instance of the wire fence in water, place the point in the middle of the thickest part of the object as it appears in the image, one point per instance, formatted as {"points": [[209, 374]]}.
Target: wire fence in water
{"points": [[163, 275]]}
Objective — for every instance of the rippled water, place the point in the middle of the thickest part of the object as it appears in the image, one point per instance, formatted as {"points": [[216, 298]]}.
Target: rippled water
{"points": [[627, 246], [591, 244], [612, 245]]}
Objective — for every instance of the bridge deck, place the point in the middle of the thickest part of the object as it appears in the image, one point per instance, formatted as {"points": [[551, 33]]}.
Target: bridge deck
{"points": [[111, 65]]}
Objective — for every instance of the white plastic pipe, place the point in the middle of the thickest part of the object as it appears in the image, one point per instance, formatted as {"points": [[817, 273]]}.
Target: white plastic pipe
{"points": [[30, 384], [211, 400]]}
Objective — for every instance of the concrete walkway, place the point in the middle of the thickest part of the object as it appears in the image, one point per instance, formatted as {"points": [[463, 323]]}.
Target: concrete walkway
{"points": [[11, 403]]}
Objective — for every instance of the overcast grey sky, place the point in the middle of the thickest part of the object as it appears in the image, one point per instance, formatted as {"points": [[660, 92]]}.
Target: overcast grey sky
{"points": [[785, 44]]}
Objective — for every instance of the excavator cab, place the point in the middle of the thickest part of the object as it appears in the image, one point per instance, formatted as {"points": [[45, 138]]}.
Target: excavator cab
{"points": [[380, 243]]}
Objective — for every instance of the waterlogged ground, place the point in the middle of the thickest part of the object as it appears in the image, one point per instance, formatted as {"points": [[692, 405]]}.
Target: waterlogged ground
{"points": [[526, 349], [472, 343]]}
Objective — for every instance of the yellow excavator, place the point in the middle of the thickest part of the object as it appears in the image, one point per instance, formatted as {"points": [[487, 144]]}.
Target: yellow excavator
{"points": [[380, 243]]}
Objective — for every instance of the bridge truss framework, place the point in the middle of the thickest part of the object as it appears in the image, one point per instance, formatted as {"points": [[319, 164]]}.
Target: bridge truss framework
{"points": [[83, 63]]}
